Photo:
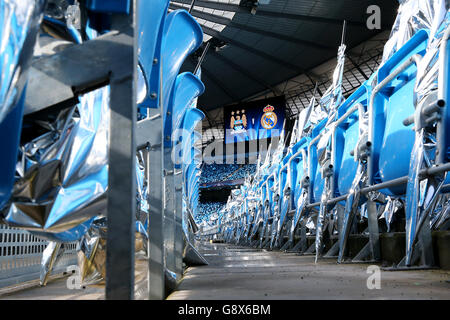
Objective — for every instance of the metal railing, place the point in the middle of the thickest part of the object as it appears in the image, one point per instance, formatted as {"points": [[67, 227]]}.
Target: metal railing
{"points": [[20, 256]]}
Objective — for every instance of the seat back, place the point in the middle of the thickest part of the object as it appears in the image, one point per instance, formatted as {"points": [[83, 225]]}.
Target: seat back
{"points": [[392, 141], [152, 14], [316, 180], [346, 138], [187, 88], [445, 74], [182, 36], [185, 150], [298, 168]]}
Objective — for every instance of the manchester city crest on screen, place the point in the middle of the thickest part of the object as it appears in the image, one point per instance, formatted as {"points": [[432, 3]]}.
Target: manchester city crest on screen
{"points": [[259, 119], [238, 121]]}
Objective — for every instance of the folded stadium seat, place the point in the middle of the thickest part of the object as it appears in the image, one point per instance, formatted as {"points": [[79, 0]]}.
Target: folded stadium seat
{"points": [[391, 105], [189, 121], [193, 204], [249, 222], [152, 16], [188, 170], [444, 74], [271, 186], [273, 198], [346, 137], [288, 176], [446, 95], [351, 129], [191, 169], [259, 208], [315, 175], [285, 188], [265, 214], [243, 213], [291, 171], [187, 88], [193, 183], [182, 36], [238, 226], [197, 135], [298, 169]]}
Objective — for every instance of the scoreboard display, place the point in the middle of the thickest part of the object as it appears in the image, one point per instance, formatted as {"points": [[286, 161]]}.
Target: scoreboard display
{"points": [[254, 120]]}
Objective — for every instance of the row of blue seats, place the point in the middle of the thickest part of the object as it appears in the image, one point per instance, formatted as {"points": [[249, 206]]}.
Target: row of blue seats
{"points": [[378, 109]]}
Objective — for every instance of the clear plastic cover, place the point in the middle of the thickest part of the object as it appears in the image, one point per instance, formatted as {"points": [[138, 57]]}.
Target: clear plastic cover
{"points": [[414, 15], [421, 195], [18, 18], [428, 68], [64, 173]]}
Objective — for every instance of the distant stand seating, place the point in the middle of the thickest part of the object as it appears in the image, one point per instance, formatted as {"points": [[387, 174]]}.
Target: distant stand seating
{"points": [[243, 172], [225, 172], [206, 209]]}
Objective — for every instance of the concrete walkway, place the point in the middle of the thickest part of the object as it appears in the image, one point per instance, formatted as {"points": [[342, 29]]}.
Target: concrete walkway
{"points": [[242, 273], [56, 289]]}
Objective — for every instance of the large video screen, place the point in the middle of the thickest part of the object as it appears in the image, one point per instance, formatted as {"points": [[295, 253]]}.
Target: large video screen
{"points": [[253, 120]]}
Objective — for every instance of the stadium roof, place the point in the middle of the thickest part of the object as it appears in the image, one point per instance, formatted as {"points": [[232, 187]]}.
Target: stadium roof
{"points": [[256, 46]]}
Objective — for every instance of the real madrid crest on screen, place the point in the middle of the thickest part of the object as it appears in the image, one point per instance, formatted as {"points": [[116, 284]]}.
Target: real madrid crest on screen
{"points": [[269, 118]]}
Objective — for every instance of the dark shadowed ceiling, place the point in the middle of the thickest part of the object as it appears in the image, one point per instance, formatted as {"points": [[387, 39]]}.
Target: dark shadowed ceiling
{"points": [[255, 46]]}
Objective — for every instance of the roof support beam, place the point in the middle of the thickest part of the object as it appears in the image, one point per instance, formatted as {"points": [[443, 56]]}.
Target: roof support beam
{"points": [[267, 13], [358, 68], [230, 23], [219, 83], [216, 5], [244, 72], [262, 54]]}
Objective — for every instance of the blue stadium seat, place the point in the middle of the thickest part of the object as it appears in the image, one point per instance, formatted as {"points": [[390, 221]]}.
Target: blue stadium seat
{"points": [[394, 103], [152, 14], [182, 36], [271, 183], [315, 175], [187, 88], [347, 136], [299, 164], [283, 187], [446, 95], [286, 186], [299, 171]]}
